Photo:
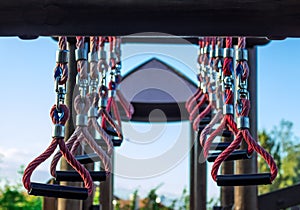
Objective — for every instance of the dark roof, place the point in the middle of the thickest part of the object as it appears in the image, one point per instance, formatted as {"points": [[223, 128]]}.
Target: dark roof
{"points": [[157, 90]]}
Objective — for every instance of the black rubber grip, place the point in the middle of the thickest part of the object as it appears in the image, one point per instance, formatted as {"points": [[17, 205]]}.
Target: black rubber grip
{"points": [[110, 131], [117, 142], [220, 146], [58, 191], [244, 179], [205, 121], [73, 176], [88, 158], [235, 155]]}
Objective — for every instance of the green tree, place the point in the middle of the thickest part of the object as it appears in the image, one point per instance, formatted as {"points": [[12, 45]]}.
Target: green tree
{"points": [[284, 146], [13, 197]]}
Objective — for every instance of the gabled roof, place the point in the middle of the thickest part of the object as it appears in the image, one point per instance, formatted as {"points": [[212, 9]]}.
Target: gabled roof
{"points": [[157, 90]]}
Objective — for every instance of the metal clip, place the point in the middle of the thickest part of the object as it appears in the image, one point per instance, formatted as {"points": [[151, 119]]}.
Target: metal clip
{"points": [[83, 85], [240, 83], [228, 82], [94, 85], [60, 93]]}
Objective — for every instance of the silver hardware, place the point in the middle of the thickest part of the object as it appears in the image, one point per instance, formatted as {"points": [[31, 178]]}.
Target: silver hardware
{"points": [[228, 82], [111, 93], [228, 109], [207, 49], [219, 52], [201, 51], [83, 84], [80, 54], [241, 54], [93, 112], [62, 56], [94, 85], [240, 83], [212, 53], [242, 94], [103, 102], [82, 120], [243, 122], [93, 57], [58, 131], [228, 52]]}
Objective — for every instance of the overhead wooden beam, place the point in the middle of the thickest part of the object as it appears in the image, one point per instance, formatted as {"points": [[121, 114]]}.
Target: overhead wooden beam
{"points": [[280, 199], [270, 18]]}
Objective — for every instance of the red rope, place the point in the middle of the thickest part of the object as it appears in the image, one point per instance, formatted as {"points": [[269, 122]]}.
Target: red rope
{"points": [[196, 108], [64, 151]]}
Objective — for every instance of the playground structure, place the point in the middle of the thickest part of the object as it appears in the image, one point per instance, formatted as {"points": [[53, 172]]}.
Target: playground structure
{"points": [[63, 18]]}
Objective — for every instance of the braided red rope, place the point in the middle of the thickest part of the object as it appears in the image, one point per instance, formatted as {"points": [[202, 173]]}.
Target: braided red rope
{"points": [[244, 133], [228, 120], [194, 112], [85, 175], [193, 99], [82, 106], [219, 115]]}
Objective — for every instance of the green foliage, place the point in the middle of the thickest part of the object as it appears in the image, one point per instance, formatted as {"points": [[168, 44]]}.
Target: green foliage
{"points": [[13, 197], [285, 148]]}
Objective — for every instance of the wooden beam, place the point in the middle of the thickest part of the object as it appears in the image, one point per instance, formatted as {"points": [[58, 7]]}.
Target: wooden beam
{"points": [[280, 199], [270, 18]]}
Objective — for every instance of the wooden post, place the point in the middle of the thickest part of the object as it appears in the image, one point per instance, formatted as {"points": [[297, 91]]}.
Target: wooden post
{"points": [[227, 192], [192, 168], [65, 204], [106, 191], [246, 196], [200, 177]]}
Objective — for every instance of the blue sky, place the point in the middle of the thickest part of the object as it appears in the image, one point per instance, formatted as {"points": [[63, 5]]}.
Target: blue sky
{"points": [[28, 93]]}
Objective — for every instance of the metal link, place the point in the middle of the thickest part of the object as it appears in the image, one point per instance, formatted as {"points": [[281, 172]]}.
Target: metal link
{"points": [[228, 109], [228, 82], [80, 54], [240, 83], [228, 52], [241, 55], [58, 131], [94, 85], [82, 120], [83, 85], [93, 57], [62, 56], [60, 93], [243, 122]]}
